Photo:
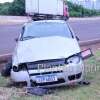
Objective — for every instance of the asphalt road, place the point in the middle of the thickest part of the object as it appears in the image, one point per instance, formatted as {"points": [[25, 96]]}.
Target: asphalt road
{"points": [[84, 29], [8, 33]]}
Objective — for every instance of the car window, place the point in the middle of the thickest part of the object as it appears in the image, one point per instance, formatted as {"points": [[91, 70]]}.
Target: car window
{"points": [[46, 29]]}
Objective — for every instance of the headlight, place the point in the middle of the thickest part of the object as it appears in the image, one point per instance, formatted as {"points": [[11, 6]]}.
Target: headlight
{"points": [[15, 69], [19, 67], [74, 60]]}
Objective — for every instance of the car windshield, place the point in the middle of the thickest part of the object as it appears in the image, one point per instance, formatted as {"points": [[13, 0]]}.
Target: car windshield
{"points": [[46, 29]]}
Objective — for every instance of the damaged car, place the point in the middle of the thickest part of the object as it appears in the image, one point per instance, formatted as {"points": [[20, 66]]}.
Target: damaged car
{"points": [[47, 54]]}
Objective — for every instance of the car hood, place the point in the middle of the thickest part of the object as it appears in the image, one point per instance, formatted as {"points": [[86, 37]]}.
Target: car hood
{"points": [[44, 49]]}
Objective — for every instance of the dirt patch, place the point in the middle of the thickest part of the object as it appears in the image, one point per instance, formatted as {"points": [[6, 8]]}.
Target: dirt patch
{"points": [[8, 93]]}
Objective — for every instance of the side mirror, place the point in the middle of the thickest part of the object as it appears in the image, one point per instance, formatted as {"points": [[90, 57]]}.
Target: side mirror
{"points": [[77, 38], [16, 39]]}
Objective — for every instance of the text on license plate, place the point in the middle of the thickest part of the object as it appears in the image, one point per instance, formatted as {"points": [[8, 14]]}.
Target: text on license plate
{"points": [[47, 78]]}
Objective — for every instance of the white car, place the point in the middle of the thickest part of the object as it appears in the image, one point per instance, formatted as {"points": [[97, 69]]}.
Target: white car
{"points": [[47, 54]]}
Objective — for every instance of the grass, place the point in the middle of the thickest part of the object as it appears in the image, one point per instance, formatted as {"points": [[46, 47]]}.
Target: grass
{"points": [[91, 92]]}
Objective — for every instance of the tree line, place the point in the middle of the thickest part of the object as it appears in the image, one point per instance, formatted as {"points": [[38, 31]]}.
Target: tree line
{"points": [[17, 8]]}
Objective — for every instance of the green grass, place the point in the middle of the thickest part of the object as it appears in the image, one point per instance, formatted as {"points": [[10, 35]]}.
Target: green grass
{"points": [[90, 92]]}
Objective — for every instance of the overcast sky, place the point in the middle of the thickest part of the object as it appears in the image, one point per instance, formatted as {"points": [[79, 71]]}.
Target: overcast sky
{"points": [[2, 1]]}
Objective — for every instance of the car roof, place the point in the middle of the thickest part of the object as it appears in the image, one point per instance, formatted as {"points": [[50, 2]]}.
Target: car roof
{"points": [[53, 21], [45, 21]]}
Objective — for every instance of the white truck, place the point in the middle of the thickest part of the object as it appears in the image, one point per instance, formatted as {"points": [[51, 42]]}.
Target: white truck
{"points": [[54, 7], [46, 7]]}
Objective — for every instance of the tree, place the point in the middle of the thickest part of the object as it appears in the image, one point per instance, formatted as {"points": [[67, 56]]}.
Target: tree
{"points": [[17, 8], [4, 8]]}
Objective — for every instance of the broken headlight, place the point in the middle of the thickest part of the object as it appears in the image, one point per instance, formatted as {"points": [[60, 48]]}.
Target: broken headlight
{"points": [[20, 67], [73, 59]]}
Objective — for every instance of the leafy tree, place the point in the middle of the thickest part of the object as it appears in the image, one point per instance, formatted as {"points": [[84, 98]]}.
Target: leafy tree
{"points": [[17, 7], [4, 8], [79, 11]]}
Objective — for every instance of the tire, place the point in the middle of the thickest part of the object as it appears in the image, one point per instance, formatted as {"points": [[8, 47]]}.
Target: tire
{"points": [[5, 72]]}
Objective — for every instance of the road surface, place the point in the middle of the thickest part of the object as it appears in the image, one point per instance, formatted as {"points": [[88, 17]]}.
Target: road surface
{"points": [[84, 29], [8, 33]]}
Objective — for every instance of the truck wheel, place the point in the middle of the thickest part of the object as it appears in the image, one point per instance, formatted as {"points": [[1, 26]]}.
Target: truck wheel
{"points": [[6, 70]]}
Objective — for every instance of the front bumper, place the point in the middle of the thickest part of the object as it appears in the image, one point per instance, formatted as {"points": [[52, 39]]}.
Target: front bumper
{"points": [[66, 75]]}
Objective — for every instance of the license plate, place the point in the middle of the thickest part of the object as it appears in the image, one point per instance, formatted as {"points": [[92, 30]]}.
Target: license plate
{"points": [[47, 78]]}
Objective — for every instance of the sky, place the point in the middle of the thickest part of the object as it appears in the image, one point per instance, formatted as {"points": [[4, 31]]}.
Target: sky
{"points": [[2, 1], [82, 0]]}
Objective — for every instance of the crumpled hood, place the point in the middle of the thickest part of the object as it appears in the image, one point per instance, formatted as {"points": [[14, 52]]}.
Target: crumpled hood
{"points": [[44, 49]]}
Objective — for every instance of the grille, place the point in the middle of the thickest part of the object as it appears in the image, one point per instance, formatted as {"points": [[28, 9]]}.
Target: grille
{"points": [[34, 74], [46, 64]]}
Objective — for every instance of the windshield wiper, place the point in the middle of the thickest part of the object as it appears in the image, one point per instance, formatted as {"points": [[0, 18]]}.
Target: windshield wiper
{"points": [[28, 37]]}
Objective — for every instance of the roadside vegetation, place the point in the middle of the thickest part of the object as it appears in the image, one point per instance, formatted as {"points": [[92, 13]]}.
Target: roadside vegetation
{"points": [[79, 11], [75, 92], [83, 12], [18, 8]]}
